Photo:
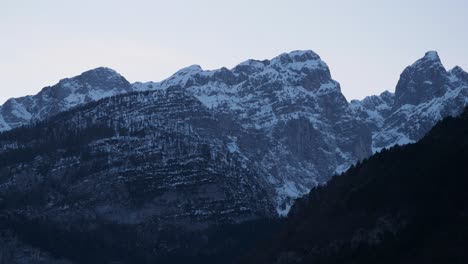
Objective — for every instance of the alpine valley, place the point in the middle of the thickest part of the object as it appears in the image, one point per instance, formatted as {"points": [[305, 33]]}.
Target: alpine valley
{"points": [[99, 170]]}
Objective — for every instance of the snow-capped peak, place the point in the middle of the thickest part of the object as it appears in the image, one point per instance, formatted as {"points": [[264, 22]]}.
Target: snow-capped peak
{"points": [[102, 78], [299, 59], [301, 55], [182, 76], [89, 86], [101, 73]]}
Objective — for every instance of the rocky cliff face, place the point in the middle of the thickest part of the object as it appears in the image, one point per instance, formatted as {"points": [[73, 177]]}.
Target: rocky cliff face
{"points": [[293, 101]]}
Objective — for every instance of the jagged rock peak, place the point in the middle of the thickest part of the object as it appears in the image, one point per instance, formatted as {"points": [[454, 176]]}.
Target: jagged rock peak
{"points": [[432, 55], [385, 97], [254, 63], [457, 69], [430, 59], [299, 55], [296, 59], [296, 62], [301, 58], [421, 81], [387, 94], [459, 73]]}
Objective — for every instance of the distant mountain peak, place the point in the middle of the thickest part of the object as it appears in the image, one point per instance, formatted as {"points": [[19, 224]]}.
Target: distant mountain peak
{"points": [[89, 86], [190, 69], [430, 59], [102, 78], [421, 81], [459, 73], [457, 69], [425, 93], [432, 55], [253, 63], [302, 58], [387, 93], [183, 75], [101, 73], [302, 55], [102, 70]]}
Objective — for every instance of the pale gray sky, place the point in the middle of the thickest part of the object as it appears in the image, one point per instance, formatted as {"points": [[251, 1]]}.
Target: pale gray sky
{"points": [[366, 43]]}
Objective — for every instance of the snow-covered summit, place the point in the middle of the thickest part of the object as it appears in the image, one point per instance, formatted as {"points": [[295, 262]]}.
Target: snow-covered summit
{"points": [[89, 86], [299, 60], [192, 69], [102, 72], [296, 60], [182, 76], [303, 69], [296, 56]]}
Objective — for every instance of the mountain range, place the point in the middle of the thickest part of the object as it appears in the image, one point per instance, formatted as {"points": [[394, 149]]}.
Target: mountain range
{"points": [[308, 129], [201, 148]]}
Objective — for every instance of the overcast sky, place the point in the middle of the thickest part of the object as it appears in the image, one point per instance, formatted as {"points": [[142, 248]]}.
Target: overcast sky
{"points": [[366, 43]]}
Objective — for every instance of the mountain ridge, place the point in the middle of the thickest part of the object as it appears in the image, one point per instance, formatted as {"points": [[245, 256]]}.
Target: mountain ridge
{"points": [[291, 91]]}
